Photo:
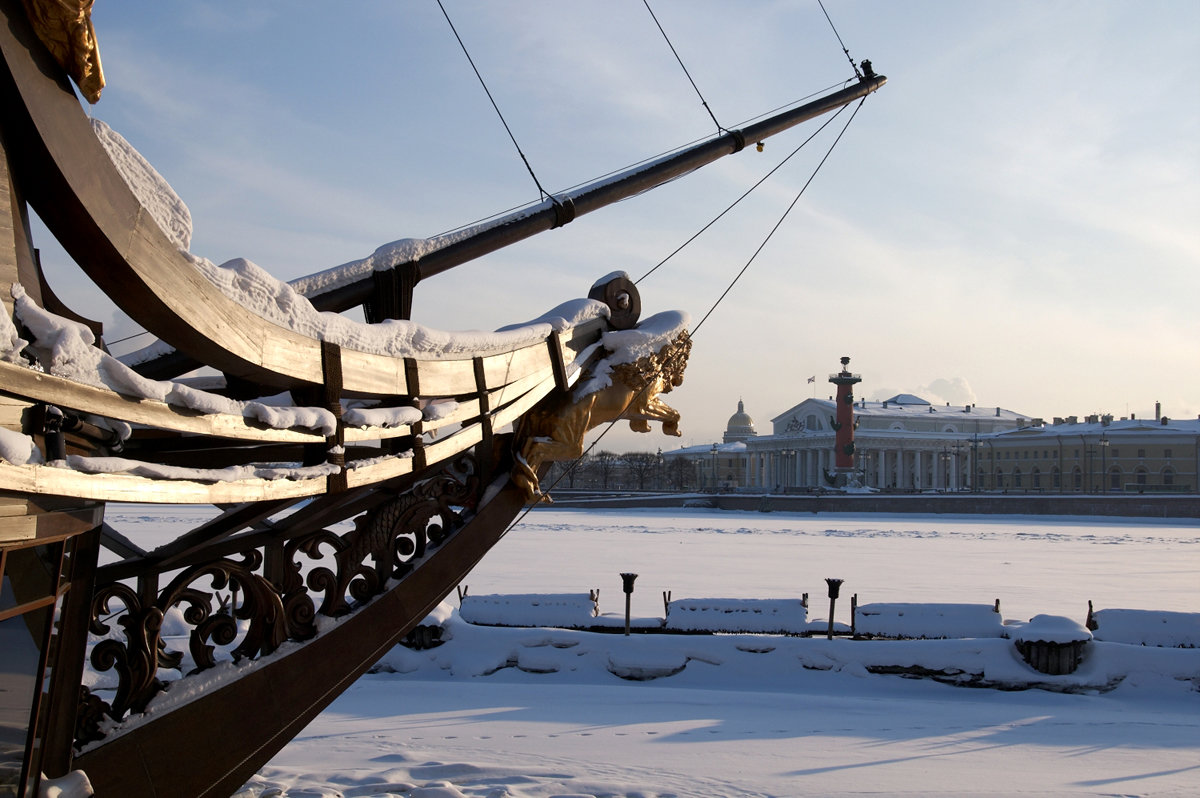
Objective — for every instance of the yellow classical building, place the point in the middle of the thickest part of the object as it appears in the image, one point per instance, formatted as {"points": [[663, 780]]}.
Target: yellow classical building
{"points": [[907, 444], [1096, 455]]}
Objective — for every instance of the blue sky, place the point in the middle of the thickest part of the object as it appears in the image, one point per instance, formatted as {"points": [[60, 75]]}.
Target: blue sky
{"points": [[1012, 220]]}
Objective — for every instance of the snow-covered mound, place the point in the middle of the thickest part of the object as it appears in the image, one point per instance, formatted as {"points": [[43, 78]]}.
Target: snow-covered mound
{"points": [[770, 616], [566, 610], [1050, 629], [913, 621], [1147, 627]]}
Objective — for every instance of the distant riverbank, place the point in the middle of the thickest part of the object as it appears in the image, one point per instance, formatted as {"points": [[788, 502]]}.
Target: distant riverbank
{"points": [[1120, 505]]}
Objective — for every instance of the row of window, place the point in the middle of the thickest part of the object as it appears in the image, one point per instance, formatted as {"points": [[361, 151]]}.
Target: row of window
{"points": [[1016, 478], [1167, 454]]}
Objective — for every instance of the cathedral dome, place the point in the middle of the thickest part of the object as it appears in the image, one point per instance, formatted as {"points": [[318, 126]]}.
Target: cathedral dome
{"points": [[740, 425]]}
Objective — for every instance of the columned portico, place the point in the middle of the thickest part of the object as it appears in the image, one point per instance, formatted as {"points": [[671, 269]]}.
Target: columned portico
{"points": [[903, 443]]}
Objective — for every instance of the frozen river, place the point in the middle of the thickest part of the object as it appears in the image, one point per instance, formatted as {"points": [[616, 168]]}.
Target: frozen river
{"points": [[1033, 564]]}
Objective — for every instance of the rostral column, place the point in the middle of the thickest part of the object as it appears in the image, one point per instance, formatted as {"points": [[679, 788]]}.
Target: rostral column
{"points": [[844, 423]]}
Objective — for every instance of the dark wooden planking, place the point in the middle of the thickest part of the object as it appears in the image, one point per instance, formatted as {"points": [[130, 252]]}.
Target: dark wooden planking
{"points": [[67, 672], [230, 522], [118, 544]]}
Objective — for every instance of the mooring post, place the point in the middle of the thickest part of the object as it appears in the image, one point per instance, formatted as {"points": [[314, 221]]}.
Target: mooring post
{"points": [[627, 586], [834, 586]]}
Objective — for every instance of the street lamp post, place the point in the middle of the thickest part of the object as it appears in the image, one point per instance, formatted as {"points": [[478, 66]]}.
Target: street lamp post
{"points": [[1103, 464], [714, 468], [993, 464], [627, 585], [835, 586], [975, 464]]}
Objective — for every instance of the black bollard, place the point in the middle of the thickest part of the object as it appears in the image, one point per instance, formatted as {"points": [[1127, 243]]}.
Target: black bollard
{"points": [[835, 585], [56, 441], [627, 586]]}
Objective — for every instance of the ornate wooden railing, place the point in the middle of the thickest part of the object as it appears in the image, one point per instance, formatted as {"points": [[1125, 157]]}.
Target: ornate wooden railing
{"points": [[250, 602]]}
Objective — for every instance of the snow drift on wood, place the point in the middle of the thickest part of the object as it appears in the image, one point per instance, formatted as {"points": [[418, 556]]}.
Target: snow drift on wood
{"points": [[773, 616], [18, 448], [286, 305], [152, 191], [905, 620], [568, 610], [1147, 627], [65, 348]]}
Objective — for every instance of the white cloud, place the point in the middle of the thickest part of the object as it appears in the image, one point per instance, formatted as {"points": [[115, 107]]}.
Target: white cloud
{"points": [[955, 390]]}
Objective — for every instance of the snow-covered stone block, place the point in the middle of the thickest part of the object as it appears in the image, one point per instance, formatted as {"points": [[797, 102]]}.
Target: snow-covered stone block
{"points": [[917, 621], [761, 616], [1147, 627], [567, 610]]}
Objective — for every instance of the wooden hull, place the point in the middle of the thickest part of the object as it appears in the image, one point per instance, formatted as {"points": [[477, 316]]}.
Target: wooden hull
{"points": [[428, 495]]}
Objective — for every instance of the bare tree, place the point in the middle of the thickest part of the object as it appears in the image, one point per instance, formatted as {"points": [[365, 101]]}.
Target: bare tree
{"points": [[640, 466], [604, 465], [562, 474], [680, 473]]}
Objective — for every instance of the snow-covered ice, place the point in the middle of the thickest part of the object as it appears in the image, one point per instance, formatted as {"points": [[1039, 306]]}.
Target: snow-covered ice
{"points": [[534, 713]]}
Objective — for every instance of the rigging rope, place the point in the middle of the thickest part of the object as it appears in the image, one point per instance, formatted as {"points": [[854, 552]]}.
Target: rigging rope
{"points": [[544, 193], [734, 204], [800, 194], [127, 338], [684, 68], [647, 160], [691, 334], [839, 38]]}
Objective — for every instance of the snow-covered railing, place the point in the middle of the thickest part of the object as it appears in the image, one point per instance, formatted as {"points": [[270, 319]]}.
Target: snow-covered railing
{"points": [[563, 610], [1145, 627], [917, 621], [755, 616]]}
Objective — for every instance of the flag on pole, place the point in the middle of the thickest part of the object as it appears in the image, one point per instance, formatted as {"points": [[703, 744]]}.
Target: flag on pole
{"points": [[812, 378]]}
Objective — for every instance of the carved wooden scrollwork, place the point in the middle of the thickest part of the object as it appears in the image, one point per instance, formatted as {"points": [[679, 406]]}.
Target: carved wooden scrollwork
{"points": [[93, 713], [386, 541], [253, 599], [136, 659], [238, 605]]}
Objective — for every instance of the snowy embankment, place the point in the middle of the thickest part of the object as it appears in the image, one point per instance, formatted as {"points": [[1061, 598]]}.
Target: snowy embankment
{"points": [[769, 662], [547, 713]]}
